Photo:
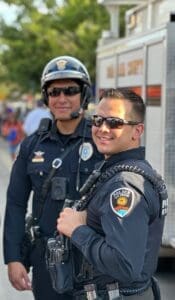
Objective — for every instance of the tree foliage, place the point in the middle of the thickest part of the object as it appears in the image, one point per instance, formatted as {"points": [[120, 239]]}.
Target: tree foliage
{"points": [[41, 33]]}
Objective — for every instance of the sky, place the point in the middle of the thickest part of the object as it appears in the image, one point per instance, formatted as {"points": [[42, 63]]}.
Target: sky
{"points": [[8, 12]]}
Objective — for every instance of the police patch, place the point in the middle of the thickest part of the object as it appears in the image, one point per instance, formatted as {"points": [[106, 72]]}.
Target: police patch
{"points": [[85, 151], [121, 201], [38, 157]]}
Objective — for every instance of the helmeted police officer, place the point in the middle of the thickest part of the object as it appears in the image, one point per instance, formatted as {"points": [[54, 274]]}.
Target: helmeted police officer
{"points": [[53, 163], [120, 232]]}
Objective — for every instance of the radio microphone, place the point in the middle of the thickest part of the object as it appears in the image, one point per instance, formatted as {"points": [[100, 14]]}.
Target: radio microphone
{"points": [[76, 114]]}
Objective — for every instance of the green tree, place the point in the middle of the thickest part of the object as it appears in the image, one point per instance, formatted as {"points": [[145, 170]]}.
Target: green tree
{"points": [[38, 35]]}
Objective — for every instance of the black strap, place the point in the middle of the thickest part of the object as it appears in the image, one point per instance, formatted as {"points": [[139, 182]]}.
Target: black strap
{"points": [[153, 177], [55, 166], [46, 185], [41, 132]]}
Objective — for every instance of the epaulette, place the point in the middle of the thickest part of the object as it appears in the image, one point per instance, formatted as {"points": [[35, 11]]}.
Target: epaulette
{"points": [[38, 135], [44, 126]]}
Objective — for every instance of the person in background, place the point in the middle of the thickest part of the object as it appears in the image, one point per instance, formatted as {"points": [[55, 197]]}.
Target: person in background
{"points": [[12, 131], [120, 232], [53, 162], [33, 118]]}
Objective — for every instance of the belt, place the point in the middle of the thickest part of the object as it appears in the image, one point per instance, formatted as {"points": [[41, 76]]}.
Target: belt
{"points": [[111, 292], [82, 295], [134, 291]]}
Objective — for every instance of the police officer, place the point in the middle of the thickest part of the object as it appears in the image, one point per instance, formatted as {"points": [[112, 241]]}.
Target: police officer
{"points": [[53, 163], [120, 232]]}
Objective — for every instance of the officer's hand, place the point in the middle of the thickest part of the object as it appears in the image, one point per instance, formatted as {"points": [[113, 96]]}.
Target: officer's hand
{"points": [[18, 276], [69, 220]]}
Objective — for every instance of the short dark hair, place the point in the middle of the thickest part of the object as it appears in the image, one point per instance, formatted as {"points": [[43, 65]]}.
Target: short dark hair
{"points": [[139, 107]]}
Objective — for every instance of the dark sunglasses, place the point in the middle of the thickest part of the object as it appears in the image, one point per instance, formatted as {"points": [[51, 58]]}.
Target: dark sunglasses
{"points": [[111, 122], [67, 91]]}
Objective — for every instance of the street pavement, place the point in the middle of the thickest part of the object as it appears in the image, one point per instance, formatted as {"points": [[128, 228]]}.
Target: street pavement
{"points": [[7, 292]]}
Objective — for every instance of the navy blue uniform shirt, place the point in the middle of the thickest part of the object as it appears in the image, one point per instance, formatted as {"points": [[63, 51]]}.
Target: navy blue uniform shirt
{"points": [[31, 168], [124, 228]]}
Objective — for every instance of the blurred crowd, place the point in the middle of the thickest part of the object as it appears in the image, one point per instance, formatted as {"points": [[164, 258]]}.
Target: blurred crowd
{"points": [[12, 130], [15, 124]]}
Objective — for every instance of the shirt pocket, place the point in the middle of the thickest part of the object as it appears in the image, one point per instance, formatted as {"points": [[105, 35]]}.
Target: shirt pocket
{"points": [[37, 173], [84, 167], [83, 170]]}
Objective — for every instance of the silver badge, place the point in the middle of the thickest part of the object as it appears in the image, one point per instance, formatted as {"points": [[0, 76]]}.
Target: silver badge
{"points": [[86, 151], [61, 64]]}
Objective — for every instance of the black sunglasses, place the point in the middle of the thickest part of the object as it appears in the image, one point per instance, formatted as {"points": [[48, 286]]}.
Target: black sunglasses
{"points": [[111, 122], [67, 91]]}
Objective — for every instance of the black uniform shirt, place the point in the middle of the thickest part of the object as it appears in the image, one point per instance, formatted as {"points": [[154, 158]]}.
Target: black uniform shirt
{"points": [[124, 228], [32, 167]]}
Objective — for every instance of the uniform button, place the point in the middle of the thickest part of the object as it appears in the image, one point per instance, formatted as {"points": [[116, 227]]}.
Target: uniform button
{"points": [[41, 173], [62, 149], [86, 170]]}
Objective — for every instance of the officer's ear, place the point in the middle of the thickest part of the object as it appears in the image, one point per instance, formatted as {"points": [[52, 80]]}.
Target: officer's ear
{"points": [[138, 131], [45, 97], [86, 96]]}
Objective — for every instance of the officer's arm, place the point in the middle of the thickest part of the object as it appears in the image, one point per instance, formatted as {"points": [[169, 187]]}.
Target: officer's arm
{"points": [[17, 197], [120, 253]]}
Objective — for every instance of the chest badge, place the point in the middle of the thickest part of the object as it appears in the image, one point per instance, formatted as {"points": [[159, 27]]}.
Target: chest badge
{"points": [[38, 157], [85, 151], [121, 201]]}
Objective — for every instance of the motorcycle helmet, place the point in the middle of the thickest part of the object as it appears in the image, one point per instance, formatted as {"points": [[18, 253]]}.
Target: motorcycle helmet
{"points": [[67, 67]]}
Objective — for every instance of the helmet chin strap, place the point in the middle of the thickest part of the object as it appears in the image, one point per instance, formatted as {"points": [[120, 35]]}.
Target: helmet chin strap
{"points": [[79, 112]]}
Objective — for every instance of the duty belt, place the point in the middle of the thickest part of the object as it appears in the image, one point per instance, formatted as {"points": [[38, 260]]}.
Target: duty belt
{"points": [[111, 292], [134, 291]]}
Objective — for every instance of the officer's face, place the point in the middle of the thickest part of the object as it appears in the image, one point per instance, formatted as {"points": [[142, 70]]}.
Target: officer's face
{"points": [[114, 140], [62, 103]]}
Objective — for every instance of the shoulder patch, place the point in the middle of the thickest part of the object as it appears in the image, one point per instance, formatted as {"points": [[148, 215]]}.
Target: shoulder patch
{"points": [[121, 201]]}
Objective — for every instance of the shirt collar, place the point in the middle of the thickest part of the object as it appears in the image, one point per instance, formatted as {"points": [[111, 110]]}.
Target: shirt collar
{"points": [[83, 130], [132, 154]]}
